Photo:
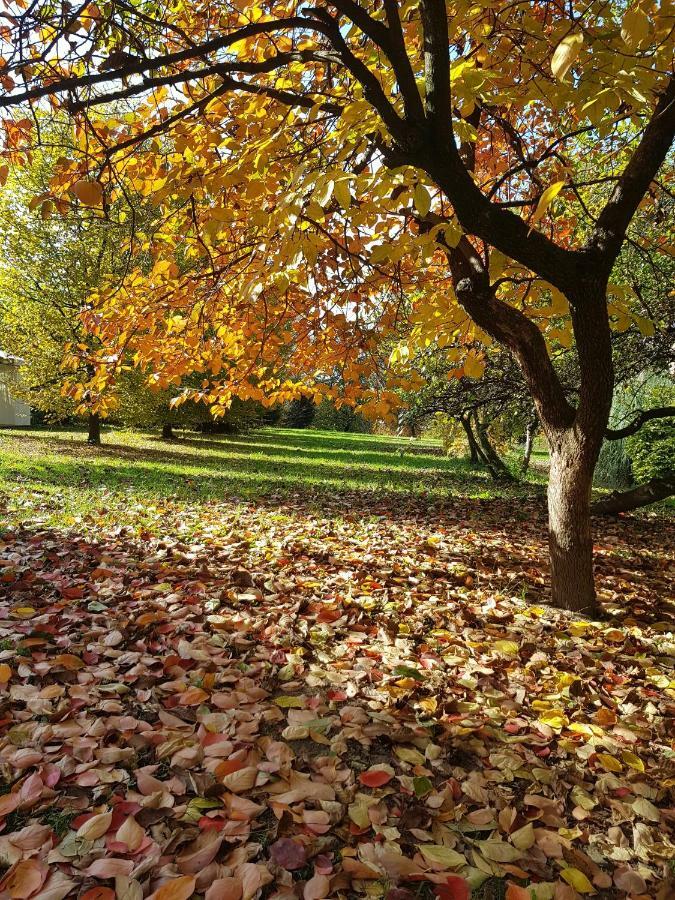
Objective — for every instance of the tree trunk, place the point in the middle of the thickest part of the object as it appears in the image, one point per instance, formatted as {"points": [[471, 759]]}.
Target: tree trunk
{"points": [[494, 462], [94, 432], [167, 431], [570, 542], [642, 495], [474, 450], [529, 441]]}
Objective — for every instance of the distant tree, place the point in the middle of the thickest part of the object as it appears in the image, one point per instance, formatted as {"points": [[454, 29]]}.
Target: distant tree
{"points": [[51, 257], [298, 413]]}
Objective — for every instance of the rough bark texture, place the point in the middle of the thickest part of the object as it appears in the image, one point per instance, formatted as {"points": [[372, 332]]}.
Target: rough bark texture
{"points": [[570, 541], [642, 495], [94, 430]]}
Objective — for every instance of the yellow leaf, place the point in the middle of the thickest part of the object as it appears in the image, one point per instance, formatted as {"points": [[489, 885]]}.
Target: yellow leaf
{"points": [[545, 200], [23, 612], [90, 193], [438, 855], [5, 673], [554, 718], [646, 326], [474, 366], [565, 54], [410, 755], [508, 648], [342, 194], [325, 193], [422, 199], [634, 27], [609, 762], [633, 761], [577, 880]]}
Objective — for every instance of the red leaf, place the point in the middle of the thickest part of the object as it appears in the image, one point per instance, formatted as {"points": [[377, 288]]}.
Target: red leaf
{"points": [[455, 888], [375, 778]]}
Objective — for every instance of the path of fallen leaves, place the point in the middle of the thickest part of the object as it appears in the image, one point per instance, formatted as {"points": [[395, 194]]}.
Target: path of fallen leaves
{"points": [[370, 699]]}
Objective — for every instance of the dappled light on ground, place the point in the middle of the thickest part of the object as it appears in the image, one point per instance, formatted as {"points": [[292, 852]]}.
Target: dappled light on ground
{"points": [[58, 472], [339, 694]]}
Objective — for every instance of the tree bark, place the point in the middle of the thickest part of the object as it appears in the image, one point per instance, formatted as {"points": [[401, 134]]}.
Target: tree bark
{"points": [[529, 441], [574, 452], [569, 522], [474, 450], [94, 430], [643, 495], [167, 431], [494, 462]]}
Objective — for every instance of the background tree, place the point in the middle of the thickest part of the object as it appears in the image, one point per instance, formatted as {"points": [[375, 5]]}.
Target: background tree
{"points": [[362, 145], [52, 255]]}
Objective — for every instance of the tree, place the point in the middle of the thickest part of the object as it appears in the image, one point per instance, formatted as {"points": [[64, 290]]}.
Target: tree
{"points": [[328, 158], [48, 266]]}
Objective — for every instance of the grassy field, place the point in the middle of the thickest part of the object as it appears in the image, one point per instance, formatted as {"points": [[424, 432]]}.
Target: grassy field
{"points": [[62, 479]]}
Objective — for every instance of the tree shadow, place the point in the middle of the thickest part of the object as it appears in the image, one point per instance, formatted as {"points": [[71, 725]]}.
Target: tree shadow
{"points": [[229, 468]]}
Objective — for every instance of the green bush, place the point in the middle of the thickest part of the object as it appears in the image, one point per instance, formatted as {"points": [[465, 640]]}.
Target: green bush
{"points": [[652, 450]]}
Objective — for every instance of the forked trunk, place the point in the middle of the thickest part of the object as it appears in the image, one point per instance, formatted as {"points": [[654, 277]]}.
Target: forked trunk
{"points": [[496, 465], [94, 430], [570, 542], [474, 451]]}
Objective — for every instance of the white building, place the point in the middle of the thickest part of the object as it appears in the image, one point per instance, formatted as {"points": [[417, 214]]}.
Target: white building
{"points": [[12, 412]]}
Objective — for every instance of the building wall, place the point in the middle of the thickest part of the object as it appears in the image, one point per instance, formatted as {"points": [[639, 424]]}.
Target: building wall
{"points": [[12, 412]]}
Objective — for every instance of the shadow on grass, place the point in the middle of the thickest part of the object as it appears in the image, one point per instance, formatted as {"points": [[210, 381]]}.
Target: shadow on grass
{"points": [[251, 467]]}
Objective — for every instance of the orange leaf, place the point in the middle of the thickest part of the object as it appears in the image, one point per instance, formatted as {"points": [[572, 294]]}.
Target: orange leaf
{"points": [[514, 892], [90, 193], [193, 697], [98, 893], [24, 879], [177, 889]]}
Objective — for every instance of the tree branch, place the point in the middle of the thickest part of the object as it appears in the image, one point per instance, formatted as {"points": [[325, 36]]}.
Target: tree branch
{"points": [[658, 412], [610, 230], [642, 495]]}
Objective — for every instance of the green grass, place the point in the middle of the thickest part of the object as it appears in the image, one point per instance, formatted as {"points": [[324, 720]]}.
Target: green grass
{"points": [[53, 476]]}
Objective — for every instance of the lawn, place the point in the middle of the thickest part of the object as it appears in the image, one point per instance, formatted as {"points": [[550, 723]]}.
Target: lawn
{"points": [[309, 665], [62, 479]]}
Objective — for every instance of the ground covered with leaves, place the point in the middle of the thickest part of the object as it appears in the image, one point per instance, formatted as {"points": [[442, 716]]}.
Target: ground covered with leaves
{"points": [[355, 694]]}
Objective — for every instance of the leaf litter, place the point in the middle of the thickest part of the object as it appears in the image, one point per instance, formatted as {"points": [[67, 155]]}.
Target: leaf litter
{"points": [[369, 699]]}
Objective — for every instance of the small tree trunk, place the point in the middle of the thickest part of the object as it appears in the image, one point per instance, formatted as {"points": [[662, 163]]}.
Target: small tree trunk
{"points": [[94, 430], [529, 441], [642, 495], [473, 445], [570, 542], [494, 462], [167, 431]]}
